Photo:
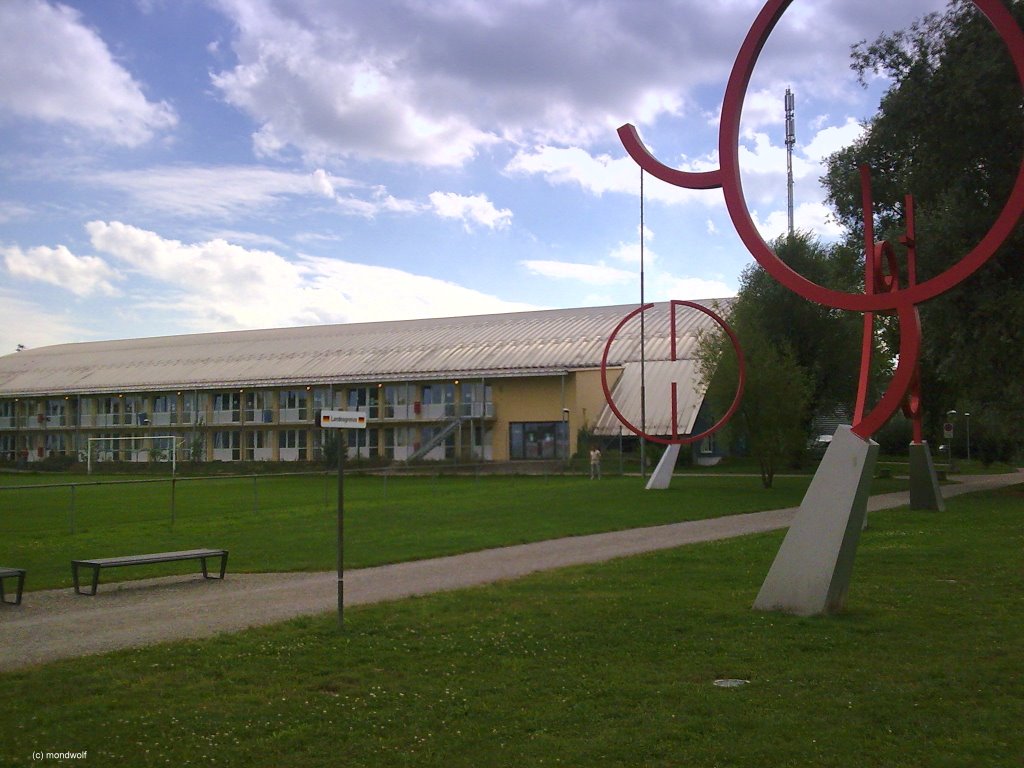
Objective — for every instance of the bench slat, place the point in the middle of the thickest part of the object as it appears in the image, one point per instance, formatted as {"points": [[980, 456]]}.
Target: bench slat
{"points": [[156, 557]]}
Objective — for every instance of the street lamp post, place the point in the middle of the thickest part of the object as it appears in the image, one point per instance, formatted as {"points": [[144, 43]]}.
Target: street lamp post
{"points": [[967, 419], [565, 433], [951, 416]]}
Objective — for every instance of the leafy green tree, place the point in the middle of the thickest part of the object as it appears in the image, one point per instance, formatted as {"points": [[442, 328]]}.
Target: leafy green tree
{"points": [[949, 131], [776, 399], [823, 341]]}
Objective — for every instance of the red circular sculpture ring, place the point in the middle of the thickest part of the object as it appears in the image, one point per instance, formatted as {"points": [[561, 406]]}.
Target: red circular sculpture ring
{"points": [[739, 386], [728, 178]]}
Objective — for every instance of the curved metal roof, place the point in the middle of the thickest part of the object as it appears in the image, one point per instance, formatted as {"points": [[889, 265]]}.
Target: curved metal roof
{"points": [[514, 344]]}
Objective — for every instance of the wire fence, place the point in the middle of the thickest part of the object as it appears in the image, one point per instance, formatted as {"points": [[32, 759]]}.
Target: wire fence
{"points": [[38, 509], [45, 508]]}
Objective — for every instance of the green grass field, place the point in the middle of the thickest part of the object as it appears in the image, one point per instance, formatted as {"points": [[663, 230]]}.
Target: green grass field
{"points": [[604, 665], [288, 523]]}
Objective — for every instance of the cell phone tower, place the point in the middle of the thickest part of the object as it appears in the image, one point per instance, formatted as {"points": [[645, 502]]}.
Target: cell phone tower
{"points": [[790, 141]]}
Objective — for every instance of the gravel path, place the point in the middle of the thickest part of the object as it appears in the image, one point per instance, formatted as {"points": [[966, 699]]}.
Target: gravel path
{"points": [[58, 624]]}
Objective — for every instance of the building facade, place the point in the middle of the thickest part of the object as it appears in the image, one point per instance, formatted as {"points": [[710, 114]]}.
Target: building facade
{"points": [[486, 388]]}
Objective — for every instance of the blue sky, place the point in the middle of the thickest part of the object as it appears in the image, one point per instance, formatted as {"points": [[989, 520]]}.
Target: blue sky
{"points": [[177, 166]]}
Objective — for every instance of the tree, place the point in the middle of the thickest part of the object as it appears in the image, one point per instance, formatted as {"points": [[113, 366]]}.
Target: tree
{"points": [[949, 131], [802, 358], [776, 399], [824, 342]]}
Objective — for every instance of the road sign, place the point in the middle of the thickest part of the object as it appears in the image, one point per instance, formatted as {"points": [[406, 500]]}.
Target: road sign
{"points": [[947, 429], [343, 419]]}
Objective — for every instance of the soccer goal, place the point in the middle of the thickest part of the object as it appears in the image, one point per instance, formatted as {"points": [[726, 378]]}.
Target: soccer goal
{"points": [[109, 449]]}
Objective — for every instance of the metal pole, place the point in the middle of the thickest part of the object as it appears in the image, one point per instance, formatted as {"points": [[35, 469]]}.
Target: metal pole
{"points": [[341, 536], [643, 341], [790, 104]]}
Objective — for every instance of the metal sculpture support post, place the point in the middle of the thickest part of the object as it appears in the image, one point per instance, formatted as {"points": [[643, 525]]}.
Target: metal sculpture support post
{"points": [[812, 571]]}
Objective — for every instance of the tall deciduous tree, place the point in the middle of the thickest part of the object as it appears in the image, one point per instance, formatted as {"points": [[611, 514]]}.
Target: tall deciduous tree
{"points": [[802, 358], [950, 131]]}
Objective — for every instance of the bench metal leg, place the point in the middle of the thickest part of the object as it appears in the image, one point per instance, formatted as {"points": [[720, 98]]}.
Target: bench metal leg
{"points": [[95, 579], [17, 594], [223, 567]]}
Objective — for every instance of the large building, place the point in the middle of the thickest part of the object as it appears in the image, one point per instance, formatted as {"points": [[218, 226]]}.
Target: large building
{"points": [[484, 388]]}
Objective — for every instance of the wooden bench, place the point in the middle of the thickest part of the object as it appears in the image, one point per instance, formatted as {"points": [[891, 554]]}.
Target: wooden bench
{"points": [[20, 574], [159, 557]]}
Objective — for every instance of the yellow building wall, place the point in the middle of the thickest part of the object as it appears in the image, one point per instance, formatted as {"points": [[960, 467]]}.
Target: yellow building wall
{"points": [[542, 398]]}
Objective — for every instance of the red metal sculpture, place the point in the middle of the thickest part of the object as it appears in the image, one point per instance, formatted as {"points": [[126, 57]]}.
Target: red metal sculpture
{"points": [[882, 291], [675, 438]]}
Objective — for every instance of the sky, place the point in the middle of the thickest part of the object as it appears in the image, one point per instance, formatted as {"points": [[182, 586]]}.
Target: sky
{"points": [[182, 166]]}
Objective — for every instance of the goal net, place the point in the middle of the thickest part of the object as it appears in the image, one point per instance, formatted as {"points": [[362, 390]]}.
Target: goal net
{"points": [[155, 448]]}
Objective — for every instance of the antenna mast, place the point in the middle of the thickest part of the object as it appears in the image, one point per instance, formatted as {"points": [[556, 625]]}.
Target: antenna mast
{"points": [[790, 141]]}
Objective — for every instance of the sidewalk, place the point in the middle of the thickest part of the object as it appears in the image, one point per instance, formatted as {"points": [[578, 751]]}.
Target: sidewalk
{"points": [[58, 624]]}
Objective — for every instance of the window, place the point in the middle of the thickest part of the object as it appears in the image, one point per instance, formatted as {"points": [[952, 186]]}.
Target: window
{"points": [[538, 440], [56, 444], [259, 407], [134, 411], [438, 401], [476, 400], [362, 443], [6, 414], [55, 413], [109, 411], [363, 399], [291, 444], [294, 405], [257, 446], [165, 410], [396, 401], [226, 407], [227, 445]]}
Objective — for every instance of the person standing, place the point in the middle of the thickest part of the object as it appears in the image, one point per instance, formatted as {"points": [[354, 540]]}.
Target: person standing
{"points": [[595, 464]]}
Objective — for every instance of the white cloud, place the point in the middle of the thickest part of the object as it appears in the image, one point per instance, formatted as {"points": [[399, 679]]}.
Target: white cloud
{"points": [[220, 285], [830, 139], [25, 322], [602, 173], [81, 275], [590, 274], [471, 209], [667, 287], [222, 191], [812, 217], [55, 69]]}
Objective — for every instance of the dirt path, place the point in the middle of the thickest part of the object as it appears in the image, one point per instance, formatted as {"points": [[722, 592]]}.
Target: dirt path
{"points": [[58, 624]]}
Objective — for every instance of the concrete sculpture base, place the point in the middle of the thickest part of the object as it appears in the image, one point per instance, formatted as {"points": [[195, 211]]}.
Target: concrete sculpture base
{"points": [[812, 569], [661, 478], [924, 483]]}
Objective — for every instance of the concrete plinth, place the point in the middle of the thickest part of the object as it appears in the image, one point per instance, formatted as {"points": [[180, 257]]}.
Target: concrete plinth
{"points": [[661, 478], [813, 567], [924, 482]]}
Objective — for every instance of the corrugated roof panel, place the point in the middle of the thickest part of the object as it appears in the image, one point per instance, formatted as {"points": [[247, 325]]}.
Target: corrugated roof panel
{"points": [[657, 379], [482, 345]]}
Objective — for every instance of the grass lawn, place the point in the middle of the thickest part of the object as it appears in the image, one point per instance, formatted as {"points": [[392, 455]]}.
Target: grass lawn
{"points": [[288, 523], [604, 665]]}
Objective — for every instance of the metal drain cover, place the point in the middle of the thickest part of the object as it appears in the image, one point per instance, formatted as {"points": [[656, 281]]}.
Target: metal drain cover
{"points": [[730, 682]]}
